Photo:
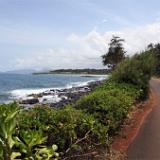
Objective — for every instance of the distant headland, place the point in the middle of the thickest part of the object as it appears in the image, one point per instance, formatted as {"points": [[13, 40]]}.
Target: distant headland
{"points": [[77, 71]]}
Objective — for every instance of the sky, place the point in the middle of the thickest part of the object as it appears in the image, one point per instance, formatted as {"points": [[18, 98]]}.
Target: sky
{"points": [[53, 34]]}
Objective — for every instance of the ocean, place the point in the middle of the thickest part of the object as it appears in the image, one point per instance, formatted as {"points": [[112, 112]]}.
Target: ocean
{"points": [[18, 86]]}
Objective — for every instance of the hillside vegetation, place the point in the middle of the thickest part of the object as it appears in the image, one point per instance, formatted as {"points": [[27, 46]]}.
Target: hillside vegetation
{"points": [[47, 133], [77, 71]]}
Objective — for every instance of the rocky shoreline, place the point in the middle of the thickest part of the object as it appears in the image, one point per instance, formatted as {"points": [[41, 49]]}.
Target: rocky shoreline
{"points": [[58, 98]]}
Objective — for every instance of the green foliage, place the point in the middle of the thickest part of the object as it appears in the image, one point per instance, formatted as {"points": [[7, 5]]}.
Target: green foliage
{"points": [[67, 127], [136, 70], [31, 145], [26, 145], [129, 89], [109, 103], [7, 128], [37, 118], [115, 53], [155, 49], [75, 125]]}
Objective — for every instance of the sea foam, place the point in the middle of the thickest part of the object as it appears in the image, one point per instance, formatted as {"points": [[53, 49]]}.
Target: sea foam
{"points": [[20, 94]]}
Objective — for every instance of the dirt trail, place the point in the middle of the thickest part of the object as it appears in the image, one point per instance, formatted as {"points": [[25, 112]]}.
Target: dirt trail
{"points": [[146, 145]]}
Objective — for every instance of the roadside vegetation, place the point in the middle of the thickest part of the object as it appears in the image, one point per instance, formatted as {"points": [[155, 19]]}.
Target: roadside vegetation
{"points": [[49, 133]]}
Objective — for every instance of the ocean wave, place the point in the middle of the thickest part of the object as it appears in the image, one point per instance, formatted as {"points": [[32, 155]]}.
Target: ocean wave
{"points": [[24, 93], [50, 99], [79, 84]]}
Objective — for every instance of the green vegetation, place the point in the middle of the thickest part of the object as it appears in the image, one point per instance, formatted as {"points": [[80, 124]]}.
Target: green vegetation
{"points": [[77, 71], [155, 49], [47, 133], [21, 144], [110, 103], [136, 70], [115, 52], [67, 127]]}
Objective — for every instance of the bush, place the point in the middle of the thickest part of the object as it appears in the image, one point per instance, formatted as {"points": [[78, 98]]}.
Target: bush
{"points": [[23, 144], [8, 118], [69, 128], [136, 70], [126, 88], [109, 103], [36, 118]]}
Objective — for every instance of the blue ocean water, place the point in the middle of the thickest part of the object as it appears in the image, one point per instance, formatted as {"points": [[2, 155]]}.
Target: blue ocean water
{"points": [[14, 86]]}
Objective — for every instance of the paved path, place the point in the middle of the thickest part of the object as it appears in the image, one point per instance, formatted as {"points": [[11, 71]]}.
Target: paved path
{"points": [[146, 145]]}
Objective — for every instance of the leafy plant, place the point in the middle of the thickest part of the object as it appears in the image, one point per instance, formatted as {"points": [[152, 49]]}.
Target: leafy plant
{"points": [[69, 128], [72, 127], [136, 70], [109, 107], [7, 129], [31, 144], [22, 144], [37, 118]]}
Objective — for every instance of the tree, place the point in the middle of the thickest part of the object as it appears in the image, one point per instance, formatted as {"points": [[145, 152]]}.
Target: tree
{"points": [[150, 46], [155, 48], [115, 52], [136, 70]]}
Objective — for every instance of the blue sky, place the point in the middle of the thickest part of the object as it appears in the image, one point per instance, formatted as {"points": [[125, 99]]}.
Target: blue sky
{"points": [[55, 34]]}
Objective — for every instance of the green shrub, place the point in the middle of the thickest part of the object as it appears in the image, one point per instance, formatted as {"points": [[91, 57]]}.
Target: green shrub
{"points": [[36, 118], [109, 103], [71, 125], [126, 88], [136, 70], [67, 127], [31, 146], [28, 144], [8, 118]]}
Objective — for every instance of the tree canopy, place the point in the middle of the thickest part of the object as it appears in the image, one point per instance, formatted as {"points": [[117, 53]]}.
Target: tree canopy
{"points": [[115, 52], [155, 48]]}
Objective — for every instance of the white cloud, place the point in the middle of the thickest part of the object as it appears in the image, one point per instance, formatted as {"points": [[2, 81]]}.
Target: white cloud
{"points": [[85, 51]]}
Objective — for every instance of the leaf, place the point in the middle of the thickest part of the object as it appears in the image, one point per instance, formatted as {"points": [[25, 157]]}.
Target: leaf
{"points": [[14, 155], [46, 153]]}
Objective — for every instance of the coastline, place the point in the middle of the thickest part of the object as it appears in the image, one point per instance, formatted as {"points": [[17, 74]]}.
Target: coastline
{"points": [[77, 71], [59, 97], [15, 87], [74, 74]]}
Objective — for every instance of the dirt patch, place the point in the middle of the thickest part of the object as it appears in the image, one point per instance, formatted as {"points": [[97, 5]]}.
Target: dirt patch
{"points": [[132, 125]]}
